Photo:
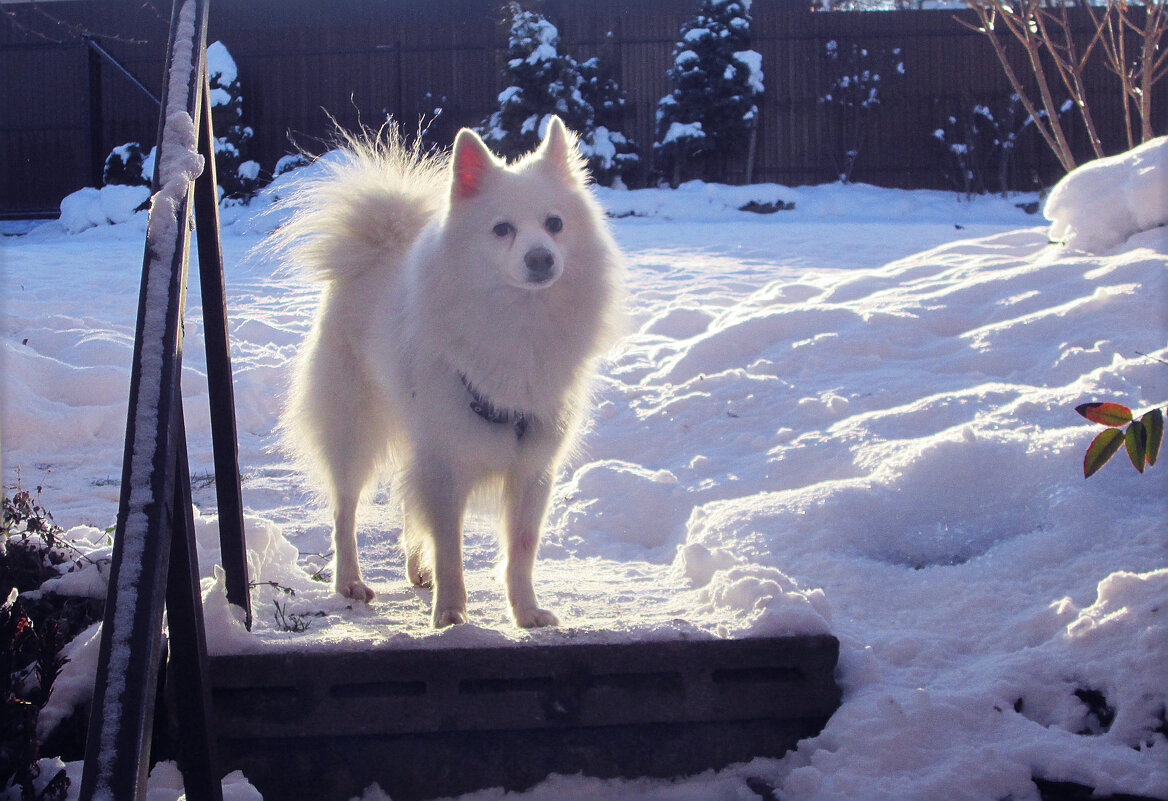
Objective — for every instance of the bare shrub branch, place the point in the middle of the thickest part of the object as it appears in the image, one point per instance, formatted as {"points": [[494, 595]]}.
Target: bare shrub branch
{"points": [[1044, 30]]}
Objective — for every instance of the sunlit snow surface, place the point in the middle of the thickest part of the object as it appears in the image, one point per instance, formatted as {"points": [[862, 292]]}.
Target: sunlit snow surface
{"points": [[855, 416]]}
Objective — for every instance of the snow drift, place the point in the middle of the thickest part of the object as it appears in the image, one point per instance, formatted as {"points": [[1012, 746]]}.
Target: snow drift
{"points": [[855, 415]]}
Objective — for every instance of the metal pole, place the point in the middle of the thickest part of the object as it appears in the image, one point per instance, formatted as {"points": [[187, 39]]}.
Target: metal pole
{"points": [[124, 696], [224, 437], [187, 666]]}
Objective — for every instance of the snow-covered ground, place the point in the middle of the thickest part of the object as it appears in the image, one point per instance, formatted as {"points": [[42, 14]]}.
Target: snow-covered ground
{"points": [[852, 416]]}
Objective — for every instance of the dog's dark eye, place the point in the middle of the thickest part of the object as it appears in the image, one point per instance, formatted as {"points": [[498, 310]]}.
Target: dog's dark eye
{"points": [[554, 224], [503, 229]]}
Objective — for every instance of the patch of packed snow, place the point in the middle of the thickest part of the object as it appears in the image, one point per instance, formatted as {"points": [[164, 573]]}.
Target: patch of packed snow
{"points": [[853, 415]]}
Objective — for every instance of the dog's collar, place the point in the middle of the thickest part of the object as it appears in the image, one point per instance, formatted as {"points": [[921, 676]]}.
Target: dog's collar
{"points": [[482, 406]]}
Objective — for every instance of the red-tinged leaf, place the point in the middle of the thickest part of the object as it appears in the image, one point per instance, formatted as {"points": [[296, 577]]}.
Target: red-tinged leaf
{"points": [[1136, 440], [1154, 424], [1107, 414], [1102, 448]]}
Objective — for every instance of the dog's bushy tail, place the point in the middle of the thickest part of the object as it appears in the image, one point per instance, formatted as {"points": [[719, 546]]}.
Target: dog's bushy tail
{"points": [[366, 202]]}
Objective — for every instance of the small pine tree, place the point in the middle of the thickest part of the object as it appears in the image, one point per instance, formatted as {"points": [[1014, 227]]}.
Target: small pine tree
{"points": [[717, 80], [238, 176], [541, 82], [612, 156]]}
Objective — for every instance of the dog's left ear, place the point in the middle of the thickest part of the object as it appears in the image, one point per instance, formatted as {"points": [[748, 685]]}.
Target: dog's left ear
{"points": [[470, 164], [559, 150]]}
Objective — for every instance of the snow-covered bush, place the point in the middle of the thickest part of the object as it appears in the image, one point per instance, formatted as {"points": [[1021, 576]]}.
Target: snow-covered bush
{"points": [[127, 165], [541, 82], [238, 176], [110, 205], [436, 129], [855, 76], [289, 162], [717, 81], [977, 147], [34, 625]]}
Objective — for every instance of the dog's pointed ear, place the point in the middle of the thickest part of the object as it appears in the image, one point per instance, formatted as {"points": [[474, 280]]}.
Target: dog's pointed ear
{"points": [[559, 149], [471, 163]]}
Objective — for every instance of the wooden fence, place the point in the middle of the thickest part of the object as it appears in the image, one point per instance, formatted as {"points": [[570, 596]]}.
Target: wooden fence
{"points": [[64, 108]]}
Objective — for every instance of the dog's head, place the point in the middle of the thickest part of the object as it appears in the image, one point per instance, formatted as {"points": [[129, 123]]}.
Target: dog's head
{"points": [[522, 219]]}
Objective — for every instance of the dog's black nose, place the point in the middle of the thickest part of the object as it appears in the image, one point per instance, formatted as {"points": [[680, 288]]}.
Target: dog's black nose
{"points": [[539, 262]]}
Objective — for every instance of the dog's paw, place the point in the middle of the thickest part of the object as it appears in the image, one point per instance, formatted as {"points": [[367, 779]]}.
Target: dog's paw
{"points": [[454, 616], [419, 573], [357, 590], [535, 618]]}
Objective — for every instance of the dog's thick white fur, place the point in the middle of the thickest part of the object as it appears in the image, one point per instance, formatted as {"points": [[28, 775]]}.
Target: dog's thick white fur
{"points": [[464, 304]]}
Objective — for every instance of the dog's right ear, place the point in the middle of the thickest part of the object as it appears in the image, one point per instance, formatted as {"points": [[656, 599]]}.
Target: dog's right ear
{"points": [[471, 163]]}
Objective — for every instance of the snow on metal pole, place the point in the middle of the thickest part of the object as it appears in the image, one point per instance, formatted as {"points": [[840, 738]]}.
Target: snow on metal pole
{"points": [[122, 712]]}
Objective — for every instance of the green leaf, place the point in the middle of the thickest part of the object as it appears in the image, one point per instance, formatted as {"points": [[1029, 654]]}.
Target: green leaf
{"points": [[1102, 448], [1154, 424], [1107, 414], [1136, 440]]}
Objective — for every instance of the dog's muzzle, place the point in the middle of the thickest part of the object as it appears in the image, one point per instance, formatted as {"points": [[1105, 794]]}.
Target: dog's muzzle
{"points": [[540, 264]]}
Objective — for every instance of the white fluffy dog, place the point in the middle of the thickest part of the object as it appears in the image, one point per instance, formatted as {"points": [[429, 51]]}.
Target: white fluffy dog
{"points": [[464, 304]]}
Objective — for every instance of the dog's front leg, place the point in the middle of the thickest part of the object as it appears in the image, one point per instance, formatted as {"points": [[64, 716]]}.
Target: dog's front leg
{"points": [[526, 503], [440, 498]]}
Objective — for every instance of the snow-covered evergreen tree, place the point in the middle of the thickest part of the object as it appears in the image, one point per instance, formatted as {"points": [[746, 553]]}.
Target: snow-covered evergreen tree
{"points": [[717, 81], [238, 176], [541, 82], [612, 156]]}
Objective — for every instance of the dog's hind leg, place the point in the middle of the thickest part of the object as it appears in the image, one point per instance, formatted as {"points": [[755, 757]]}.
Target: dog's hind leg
{"points": [[413, 542], [348, 578], [345, 423], [526, 499], [352, 459], [437, 500]]}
